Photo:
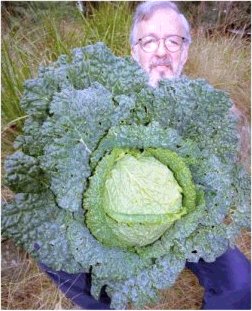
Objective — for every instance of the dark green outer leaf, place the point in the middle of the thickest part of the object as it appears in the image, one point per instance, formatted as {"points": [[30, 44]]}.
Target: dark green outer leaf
{"points": [[23, 174], [40, 226]]}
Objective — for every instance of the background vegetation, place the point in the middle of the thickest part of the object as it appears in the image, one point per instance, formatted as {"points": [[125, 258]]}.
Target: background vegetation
{"points": [[36, 33]]}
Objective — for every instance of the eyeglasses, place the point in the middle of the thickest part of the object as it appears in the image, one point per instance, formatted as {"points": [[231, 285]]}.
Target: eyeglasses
{"points": [[172, 43]]}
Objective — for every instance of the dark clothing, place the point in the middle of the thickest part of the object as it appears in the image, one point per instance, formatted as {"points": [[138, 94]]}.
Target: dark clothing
{"points": [[77, 288], [226, 282]]}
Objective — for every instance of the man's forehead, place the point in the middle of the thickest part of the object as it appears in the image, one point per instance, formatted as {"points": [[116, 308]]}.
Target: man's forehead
{"points": [[161, 22]]}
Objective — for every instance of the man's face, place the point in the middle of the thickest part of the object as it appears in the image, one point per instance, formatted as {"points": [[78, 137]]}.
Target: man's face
{"points": [[161, 63]]}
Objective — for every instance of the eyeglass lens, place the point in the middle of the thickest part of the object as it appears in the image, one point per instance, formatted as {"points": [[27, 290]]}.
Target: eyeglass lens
{"points": [[172, 43]]}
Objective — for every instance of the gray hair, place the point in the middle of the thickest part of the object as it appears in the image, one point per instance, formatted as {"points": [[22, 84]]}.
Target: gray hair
{"points": [[145, 10]]}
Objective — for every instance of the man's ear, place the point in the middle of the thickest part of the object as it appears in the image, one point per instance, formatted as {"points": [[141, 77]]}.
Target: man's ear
{"points": [[134, 53]]}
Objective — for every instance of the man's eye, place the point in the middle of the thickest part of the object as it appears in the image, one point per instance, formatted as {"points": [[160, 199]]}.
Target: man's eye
{"points": [[149, 41], [173, 41]]}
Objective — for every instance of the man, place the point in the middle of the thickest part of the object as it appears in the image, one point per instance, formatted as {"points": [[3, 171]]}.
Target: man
{"points": [[160, 39]]}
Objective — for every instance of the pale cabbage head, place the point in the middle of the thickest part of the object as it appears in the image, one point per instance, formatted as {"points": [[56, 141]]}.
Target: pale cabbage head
{"points": [[142, 199]]}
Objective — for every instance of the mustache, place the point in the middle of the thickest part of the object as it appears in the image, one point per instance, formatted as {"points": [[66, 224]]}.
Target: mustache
{"points": [[161, 62]]}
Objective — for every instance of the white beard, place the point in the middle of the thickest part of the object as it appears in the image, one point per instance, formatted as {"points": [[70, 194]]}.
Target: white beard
{"points": [[155, 78]]}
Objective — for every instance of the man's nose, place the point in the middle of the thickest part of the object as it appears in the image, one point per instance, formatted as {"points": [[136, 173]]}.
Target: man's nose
{"points": [[161, 50]]}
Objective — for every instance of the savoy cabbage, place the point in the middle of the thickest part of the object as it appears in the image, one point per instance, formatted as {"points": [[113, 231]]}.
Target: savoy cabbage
{"points": [[123, 180]]}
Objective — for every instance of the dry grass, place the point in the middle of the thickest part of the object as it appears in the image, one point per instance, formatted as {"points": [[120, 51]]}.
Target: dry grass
{"points": [[244, 243], [185, 294], [24, 286]]}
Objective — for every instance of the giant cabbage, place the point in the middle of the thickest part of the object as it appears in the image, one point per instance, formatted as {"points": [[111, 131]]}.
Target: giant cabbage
{"points": [[123, 180]]}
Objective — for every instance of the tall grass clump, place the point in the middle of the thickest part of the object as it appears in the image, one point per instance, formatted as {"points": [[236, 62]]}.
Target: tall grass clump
{"points": [[109, 23]]}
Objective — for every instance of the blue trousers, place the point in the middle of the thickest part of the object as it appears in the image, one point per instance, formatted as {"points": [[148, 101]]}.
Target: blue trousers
{"points": [[226, 282]]}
